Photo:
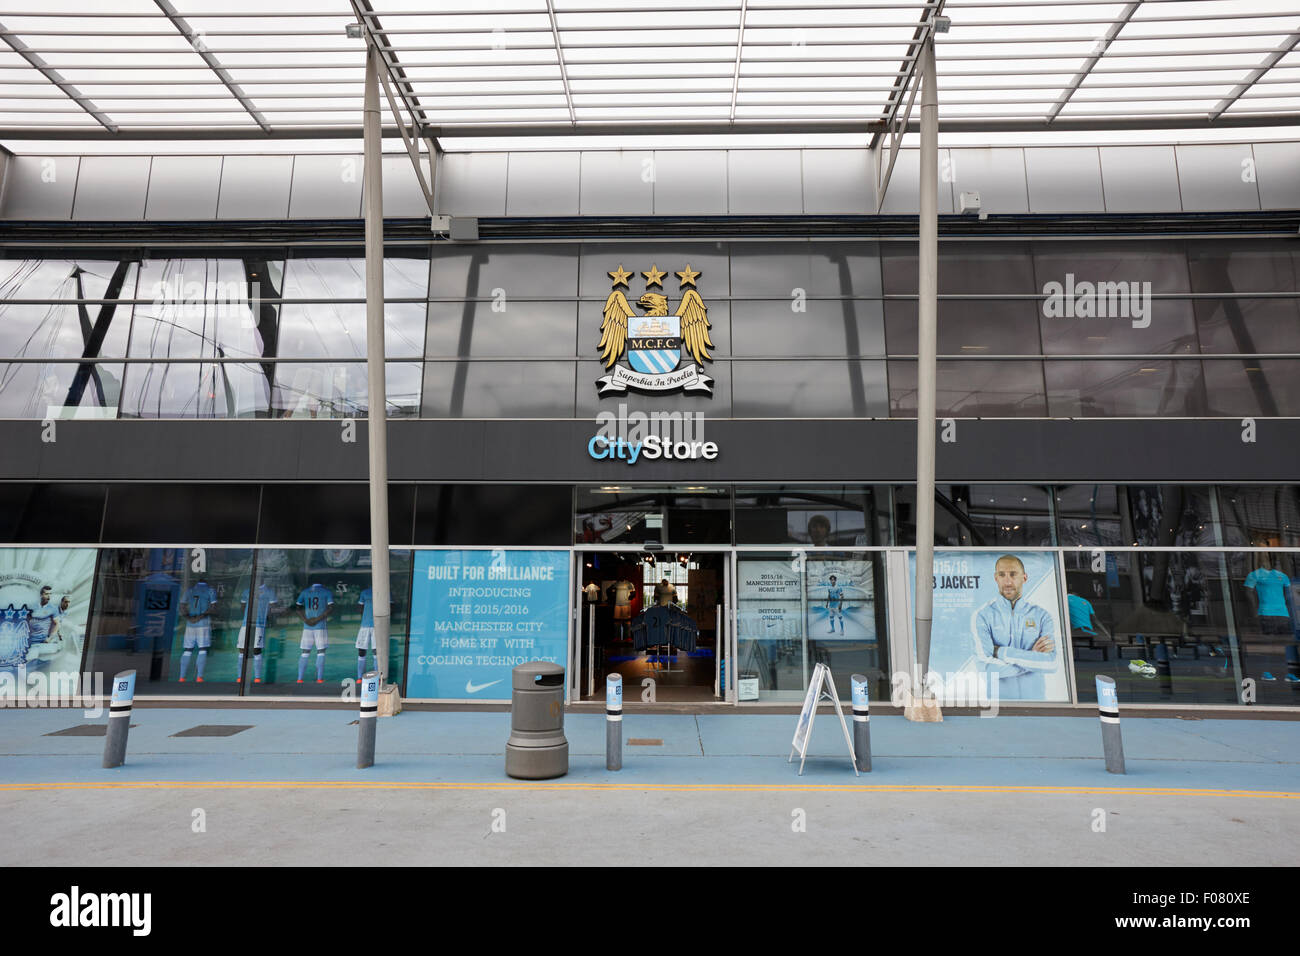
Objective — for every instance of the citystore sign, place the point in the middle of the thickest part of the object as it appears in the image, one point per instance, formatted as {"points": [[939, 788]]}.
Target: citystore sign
{"points": [[630, 436]]}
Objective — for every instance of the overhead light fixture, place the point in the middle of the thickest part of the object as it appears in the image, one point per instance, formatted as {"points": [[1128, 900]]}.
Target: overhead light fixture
{"points": [[354, 31], [942, 24]]}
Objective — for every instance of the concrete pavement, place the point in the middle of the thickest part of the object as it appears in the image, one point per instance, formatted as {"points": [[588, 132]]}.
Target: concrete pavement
{"points": [[714, 789]]}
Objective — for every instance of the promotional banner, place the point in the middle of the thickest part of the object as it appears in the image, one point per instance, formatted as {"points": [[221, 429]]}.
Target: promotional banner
{"points": [[997, 622], [44, 603], [475, 615], [769, 606], [841, 600]]}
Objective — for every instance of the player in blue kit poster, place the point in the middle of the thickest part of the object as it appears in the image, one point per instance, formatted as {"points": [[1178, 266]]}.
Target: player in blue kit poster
{"points": [[197, 604], [265, 598], [43, 638], [1015, 639], [366, 632], [314, 605], [835, 604]]}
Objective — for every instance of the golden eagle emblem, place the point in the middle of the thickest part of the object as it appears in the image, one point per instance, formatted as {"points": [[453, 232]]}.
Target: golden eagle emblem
{"points": [[654, 342]]}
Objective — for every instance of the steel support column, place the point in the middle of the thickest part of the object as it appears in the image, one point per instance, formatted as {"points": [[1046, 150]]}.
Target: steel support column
{"points": [[378, 411], [926, 374]]}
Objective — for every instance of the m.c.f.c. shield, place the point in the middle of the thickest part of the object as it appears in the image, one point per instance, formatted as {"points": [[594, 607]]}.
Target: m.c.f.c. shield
{"points": [[654, 343]]}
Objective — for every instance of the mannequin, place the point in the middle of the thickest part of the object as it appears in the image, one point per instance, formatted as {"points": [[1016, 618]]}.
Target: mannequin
{"points": [[623, 591], [1270, 591]]}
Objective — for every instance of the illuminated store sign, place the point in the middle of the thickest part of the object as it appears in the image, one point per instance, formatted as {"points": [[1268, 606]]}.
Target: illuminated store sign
{"points": [[631, 436]]}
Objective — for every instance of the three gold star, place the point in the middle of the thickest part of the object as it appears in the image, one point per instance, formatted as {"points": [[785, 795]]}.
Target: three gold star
{"points": [[654, 277]]}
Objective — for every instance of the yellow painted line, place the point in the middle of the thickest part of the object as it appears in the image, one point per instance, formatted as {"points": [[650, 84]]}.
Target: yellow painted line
{"points": [[542, 785]]}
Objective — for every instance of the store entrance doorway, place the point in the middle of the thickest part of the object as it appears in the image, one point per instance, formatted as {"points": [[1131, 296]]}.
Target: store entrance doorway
{"points": [[656, 618]]}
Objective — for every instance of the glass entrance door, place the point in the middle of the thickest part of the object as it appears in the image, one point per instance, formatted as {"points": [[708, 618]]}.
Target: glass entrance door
{"points": [[656, 617]]}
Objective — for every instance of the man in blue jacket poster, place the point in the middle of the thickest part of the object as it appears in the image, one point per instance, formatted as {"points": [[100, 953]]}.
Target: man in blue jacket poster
{"points": [[1015, 639]]}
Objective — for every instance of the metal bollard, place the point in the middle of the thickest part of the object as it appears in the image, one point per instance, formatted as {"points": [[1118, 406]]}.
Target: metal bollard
{"points": [[1108, 710], [614, 722], [861, 722], [368, 719], [119, 719]]}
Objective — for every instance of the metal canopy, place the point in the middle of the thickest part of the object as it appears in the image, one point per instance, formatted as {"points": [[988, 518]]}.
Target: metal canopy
{"points": [[201, 69]]}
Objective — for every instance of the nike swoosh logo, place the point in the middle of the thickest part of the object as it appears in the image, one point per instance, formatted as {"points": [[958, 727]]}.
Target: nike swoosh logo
{"points": [[472, 688]]}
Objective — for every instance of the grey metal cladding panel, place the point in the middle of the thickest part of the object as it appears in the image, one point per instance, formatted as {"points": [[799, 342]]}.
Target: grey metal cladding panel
{"points": [[990, 450], [412, 460], [1140, 179], [542, 184], [690, 182], [326, 187], [1119, 451], [402, 195], [472, 184], [111, 188], [838, 182], [39, 187], [183, 188], [255, 187], [1218, 176], [902, 196], [997, 173], [1064, 179], [766, 182], [1277, 166], [617, 183]]}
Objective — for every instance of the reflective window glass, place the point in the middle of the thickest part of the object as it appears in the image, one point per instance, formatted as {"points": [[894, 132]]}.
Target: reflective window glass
{"points": [[198, 308], [176, 626], [43, 390], [1260, 516], [517, 270], [610, 514], [340, 390], [316, 620], [816, 516], [967, 327], [63, 329], [1253, 387], [1246, 325], [514, 328], [973, 388], [1125, 388], [794, 611], [1097, 298], [979, 515], [1169, 626], [498, 390], [829, 327], [780, 269], [822, 388], [195, 390]]}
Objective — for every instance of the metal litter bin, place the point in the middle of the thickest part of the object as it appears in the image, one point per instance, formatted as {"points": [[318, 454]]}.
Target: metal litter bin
{"points": [[537, 749]]}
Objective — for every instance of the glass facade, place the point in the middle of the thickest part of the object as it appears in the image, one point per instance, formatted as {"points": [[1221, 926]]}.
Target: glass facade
{"points": [[1182, 593], [802, 329], [182, 619]]}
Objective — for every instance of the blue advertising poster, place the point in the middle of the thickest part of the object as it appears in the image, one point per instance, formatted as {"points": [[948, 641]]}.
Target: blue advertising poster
{"points": [[997, 625], [475, 615]]}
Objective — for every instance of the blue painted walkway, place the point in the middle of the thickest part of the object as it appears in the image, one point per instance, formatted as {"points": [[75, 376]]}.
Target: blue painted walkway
{"points": [[720, 750]]}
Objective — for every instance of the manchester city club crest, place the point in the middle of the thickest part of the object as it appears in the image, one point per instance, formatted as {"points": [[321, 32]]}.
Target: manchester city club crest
{"points": [[655, 342]]}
